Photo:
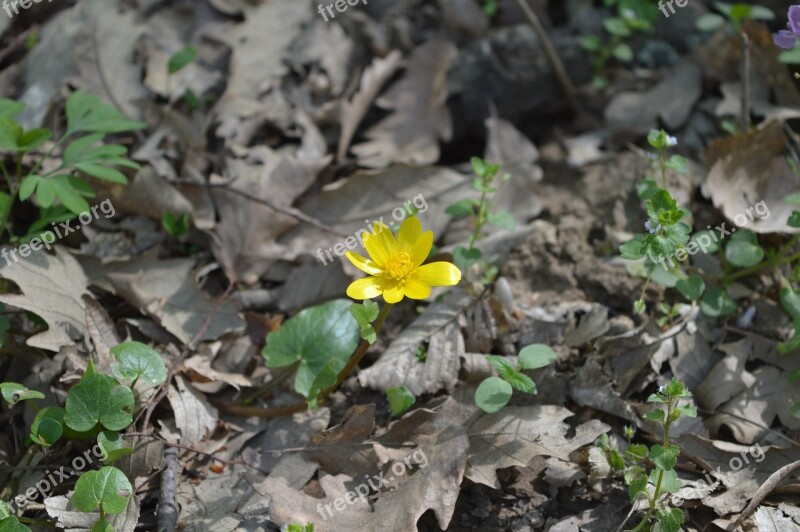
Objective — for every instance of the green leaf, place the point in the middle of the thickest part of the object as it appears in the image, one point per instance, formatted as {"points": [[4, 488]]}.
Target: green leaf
{"points": [[676, 388], [790, 300], [633, 249], [687, 410], [102, 526], [637, 486], [670, 483], [520, 381], [705, 241], [174, 224], [678, 163], [400, 400], [12, 524], [743, 250], [790, 57], [794, 219], [503, 220], [45, 192], [365, 314], [656, 415], [181, 59], [761, 13], [717, 303], [10, 108], [65, 191], [113, 446], [34, 138], [536, 356], [692, 287], [461, 209], [623, 53], [639, 307], [13, 393], [591, 43], [108, 487], [616, 26], [137, 361], [657, 138], [464, 258], [669, 520], [105, 173], [28, 186], [99, 400], [48, 426], [88, 113], [709, 22], [312, 338], [10, 133], [664, 457], [325, 379], [646, 188], [795, 410], [493, 394], [637, 450]]}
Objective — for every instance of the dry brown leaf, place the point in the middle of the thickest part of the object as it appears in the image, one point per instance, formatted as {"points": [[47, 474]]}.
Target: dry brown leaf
{"points": [[352, 111], [52, 287], [70, 519], [768, 519], [342, 449], [399, 364], [194, 416], [102, 331], [513, 436], [420, 117], [201, 366]]}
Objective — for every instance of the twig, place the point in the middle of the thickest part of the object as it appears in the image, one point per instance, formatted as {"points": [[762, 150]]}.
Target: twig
{"points": [[550, 52], [745, 82], [167, 504], [771, 483]]}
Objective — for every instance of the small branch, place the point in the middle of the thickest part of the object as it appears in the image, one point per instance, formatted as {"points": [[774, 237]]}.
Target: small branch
{"points": [[771, 483], [745, 82], [168, 505], [550, 52]]}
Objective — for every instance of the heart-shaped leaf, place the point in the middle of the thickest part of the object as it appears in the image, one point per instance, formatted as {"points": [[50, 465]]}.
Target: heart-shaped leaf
{"points": [[108, 487], [743, 250], [99, 400], [137, 361], [692, 287], [314, 337]]}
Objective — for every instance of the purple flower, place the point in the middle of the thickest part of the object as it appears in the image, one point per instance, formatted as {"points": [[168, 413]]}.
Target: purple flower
{"points": [[786, 38]]}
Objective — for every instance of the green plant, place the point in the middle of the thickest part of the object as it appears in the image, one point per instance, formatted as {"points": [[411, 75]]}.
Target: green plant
{"points": [[495, 392], [632, 16], [99, 406], [490, 7], [734, 15], [400, 400], [176, 225], [481, 212], [299, 528], [89, 120]]}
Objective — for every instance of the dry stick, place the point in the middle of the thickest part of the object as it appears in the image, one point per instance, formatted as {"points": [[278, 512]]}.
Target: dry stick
{"points": [[168, 504], [745, 82], [771, 483], [550, 53], [323, 395]]}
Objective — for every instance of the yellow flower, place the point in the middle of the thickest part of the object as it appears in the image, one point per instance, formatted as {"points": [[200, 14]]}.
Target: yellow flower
{"points": [[395, 266]]}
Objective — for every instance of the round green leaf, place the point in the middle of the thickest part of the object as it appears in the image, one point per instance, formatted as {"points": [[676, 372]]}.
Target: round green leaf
{"points": [[400, 400], [12, 524], [716, 302], [743, 253], [102, 526], [622, 52], [13, 393], [48, 426], [692, 287], [113, 446], [313, 337], [493, 394], [99, 399], [137, 361], [536, 356], [109, 486]]}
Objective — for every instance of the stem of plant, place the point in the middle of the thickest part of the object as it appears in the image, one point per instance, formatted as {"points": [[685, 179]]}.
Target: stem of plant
{"points": [[657, 492]]}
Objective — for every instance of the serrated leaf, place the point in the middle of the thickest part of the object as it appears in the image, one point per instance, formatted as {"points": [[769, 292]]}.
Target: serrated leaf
{"points": [[637, 486], [655, 415], [400, 400], [99, 400], [664, 457], [312, 338], [137, 361], [108, 487], [669, 520], [493, 394]]}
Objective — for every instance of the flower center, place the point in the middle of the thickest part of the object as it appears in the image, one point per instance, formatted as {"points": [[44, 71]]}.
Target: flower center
{"points": [[399, 265]]}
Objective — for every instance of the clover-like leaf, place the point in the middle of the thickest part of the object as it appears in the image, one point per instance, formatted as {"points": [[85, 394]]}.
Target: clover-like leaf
{"points": [[536, 356], [113, 446], [400, 400], [493, 394], [313, 338], [108, 487], [137, 361], [13, 393], [99, 400]]}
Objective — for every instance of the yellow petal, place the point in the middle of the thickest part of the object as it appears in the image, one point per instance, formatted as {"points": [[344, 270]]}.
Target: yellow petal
{"points": [[363, 263], [416, 290], [408, 234], [365, 288], [438, 274], [393, 295], [380, 243], [422, 248]]}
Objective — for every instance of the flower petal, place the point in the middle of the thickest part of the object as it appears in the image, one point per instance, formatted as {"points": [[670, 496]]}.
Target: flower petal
{"points": [[365, 288], [380, 244], [363, 263], [416, 290], [438, 274], [393, 294], [408, 234], [794, 19], [422, 248], [785, 39]]}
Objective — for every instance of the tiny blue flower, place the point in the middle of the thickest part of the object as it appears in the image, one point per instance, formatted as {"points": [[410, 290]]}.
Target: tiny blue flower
{"points": [[786, 38], [671, 141]]}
